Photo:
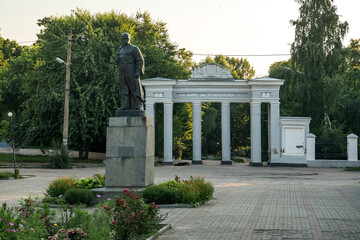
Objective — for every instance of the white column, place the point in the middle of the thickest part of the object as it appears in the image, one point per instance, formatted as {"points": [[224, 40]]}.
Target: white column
{"points": [[310, 147], [274, 131], [168, 133], [352, 147], [150, 112], [225, 132], [255, 121], [196, 133]]}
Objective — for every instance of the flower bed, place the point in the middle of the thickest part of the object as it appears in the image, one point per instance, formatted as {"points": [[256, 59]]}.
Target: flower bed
{"points": [[73, 190], [126, 217]]}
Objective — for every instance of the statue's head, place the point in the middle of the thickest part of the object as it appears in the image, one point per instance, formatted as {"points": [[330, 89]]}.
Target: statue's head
{"points": [[125, 38]]}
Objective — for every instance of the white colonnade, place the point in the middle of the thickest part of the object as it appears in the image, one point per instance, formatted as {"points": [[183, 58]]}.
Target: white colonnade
{"points": [[214, 83]]}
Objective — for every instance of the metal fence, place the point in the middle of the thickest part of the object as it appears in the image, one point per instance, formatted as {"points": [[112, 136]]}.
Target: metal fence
{"points": [[330, 151]]}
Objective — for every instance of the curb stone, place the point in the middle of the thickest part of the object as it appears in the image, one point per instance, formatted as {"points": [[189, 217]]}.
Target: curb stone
{"points": [[160, 232], [179, 205]]}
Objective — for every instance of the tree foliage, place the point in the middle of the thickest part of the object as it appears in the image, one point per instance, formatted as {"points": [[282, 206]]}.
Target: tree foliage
{"points": [[322, 77], [239, 68], [318, 54], [93, 84]]}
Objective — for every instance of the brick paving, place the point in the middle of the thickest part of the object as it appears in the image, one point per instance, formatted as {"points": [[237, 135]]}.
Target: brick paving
{"points": [[250, 202]]}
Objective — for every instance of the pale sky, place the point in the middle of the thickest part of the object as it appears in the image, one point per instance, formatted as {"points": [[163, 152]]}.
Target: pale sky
{"points": [[228, 27]]}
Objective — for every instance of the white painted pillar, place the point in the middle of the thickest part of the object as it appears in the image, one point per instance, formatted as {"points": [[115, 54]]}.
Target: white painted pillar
{"points": [[352, 147], [168, 133], [310, 147], [255, 122], [274, 131], [150, 112], [225, 133], [196, 133]]}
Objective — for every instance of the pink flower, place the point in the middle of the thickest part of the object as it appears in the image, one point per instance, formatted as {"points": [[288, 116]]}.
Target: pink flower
{"points": [[125, 190], [99, 196], [113, 222]]}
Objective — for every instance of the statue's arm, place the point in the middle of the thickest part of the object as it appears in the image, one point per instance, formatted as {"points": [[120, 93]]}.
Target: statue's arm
{"points": [[139, 62]]}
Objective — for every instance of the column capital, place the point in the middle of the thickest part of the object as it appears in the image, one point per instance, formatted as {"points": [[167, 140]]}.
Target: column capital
{"points": [[274, 103], [254, 103], [168, 103], [225, 103], [196, 102]]}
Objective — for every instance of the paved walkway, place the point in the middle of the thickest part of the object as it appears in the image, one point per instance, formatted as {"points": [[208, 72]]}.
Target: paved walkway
{"points": [[250, 202]]}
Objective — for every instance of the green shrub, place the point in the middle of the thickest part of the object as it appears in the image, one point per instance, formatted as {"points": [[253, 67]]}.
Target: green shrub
{"points": [[60, 159], [6, 174], [171, 183], [79, 196], [9, 222], [132, 217], [95, 224], [97, 181], [189, 191], [160, 194], [237, 159], [205, 188], [26, 222], [54, 200], [60, 186]]}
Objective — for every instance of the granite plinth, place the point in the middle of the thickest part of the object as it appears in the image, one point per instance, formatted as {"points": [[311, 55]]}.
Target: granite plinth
{"points": [[129, 153], [129, 113]]}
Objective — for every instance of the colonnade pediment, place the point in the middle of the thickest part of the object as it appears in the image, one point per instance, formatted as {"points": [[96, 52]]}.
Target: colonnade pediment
{"points": [[211, 71]]}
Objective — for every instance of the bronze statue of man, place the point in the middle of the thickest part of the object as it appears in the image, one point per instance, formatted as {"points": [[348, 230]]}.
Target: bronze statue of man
{"points": [[130, 64]]}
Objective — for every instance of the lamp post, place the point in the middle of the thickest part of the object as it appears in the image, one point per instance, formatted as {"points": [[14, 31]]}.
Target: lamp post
{"points": [[13, 143], [67, 90]]}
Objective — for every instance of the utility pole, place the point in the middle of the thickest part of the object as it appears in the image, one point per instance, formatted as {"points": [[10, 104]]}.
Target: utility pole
{"points": [[67, 91]]}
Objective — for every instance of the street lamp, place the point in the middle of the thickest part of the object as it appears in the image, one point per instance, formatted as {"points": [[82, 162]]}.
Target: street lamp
{"points": [[59, 60], [67, 89], [13, 143]]}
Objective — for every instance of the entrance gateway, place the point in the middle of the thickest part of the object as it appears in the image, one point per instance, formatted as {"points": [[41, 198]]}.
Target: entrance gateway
{"points": [[214, 83]]}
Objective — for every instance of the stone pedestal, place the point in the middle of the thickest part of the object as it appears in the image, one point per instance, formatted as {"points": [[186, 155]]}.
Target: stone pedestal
{"points": [[129, 155], [129, 152]]}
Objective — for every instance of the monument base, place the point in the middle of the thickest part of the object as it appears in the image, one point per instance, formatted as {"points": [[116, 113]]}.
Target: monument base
{"points": [[106, 193], [129, 153], [129, 113]]}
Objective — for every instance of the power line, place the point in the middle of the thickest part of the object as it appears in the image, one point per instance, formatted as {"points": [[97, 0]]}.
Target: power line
{"points": [[229, 55], [27, 42], [244, 55]]}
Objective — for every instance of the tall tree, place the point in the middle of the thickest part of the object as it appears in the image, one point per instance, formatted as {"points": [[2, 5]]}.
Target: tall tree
{"points": [[317, 52], [94, 86]]}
